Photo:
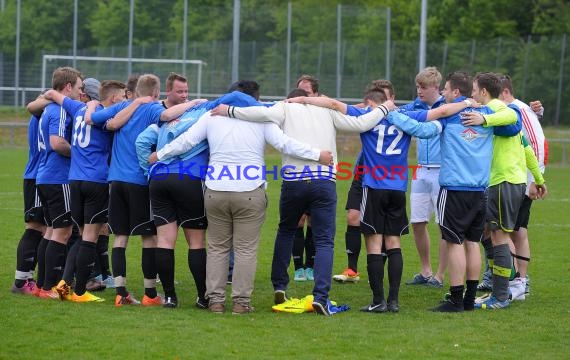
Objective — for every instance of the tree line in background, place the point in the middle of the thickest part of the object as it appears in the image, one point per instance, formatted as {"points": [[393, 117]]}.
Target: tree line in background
{"points": [[105, 23], [520, 37]]}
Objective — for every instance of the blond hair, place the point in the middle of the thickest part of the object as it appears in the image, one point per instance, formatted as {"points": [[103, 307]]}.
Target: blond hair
{"points": [[148, 85], [429, 76]]}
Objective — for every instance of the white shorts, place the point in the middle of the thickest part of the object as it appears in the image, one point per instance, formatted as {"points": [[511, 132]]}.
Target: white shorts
{"points": [[423, 195]]}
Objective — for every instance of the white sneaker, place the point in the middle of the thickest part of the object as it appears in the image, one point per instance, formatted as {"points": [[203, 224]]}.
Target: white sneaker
{"points": [[517, 289]]}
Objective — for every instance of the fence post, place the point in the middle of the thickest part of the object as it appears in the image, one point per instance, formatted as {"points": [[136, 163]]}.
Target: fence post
{"points": [[444, 59], [472, 57], [525, 66], [388, 41], [499, 49], [338, 47], [560, 81], [288, 49]]}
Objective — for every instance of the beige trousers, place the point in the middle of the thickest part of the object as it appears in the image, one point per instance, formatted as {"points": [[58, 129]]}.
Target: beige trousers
{"points": [[234, 220]]}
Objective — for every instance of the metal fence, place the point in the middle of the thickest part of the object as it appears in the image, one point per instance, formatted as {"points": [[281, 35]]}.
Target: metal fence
{"points": [[344, 61]]}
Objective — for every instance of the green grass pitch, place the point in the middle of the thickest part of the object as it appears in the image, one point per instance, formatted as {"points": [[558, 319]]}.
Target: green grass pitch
{"points": [[538, 327]]}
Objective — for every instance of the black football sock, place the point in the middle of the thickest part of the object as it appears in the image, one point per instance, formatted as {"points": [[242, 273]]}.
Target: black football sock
{"points": [[376, 277], [309, 249], [85, 262], [298, 248], [148, 265], [26, 255], [165, 269], [70, 262], [103, 255], [41, 262], [457, 294], [55, 261], [469, 298], [197, 265], [353, 245], [395, 267], [119, 261]]}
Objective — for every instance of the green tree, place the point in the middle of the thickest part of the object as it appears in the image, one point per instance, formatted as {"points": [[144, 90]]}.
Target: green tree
{"points": [[110, 22], [551, 17]]}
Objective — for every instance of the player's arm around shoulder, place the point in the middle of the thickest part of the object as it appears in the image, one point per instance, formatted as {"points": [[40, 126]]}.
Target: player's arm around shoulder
{"points": [[503, 115]]}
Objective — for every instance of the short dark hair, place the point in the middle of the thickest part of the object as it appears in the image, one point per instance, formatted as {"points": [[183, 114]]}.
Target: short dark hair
{"points": [[108, 87], [249, 87], [382, 84], [378, 96], [172, 77], [132, 83], [490, 82], [297, 92], [312, 80], [460, 80], [506, 83], [64, 75]]}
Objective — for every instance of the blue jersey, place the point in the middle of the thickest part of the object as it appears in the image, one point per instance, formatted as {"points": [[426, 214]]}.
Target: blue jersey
{"points": [[510, 130], [124, 163], [194, 161], [191, 162], [31, 170], [466, 153], [429, 151], [385, 148], [53, 167], [90, 145]]}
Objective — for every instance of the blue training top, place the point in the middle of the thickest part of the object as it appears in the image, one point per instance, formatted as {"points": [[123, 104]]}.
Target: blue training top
{"points": [[90, 146], [429, 151], [385, 148], [124, 163], [53, 167], [31, 170]]}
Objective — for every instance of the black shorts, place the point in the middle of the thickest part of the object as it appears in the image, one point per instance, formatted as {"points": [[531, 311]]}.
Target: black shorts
{"points": [[129, 209], [503, 204], [461, 215], [56, 204], [523, 216], [354, 197], [33, 211], [89, 202], [179, 198], [383, 212]]}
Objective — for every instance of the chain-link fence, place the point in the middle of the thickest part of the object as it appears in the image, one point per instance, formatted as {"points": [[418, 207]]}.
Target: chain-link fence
{"points": [[354, 47]]}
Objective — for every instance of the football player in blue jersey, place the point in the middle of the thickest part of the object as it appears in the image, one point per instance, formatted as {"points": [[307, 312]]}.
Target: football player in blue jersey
{"points": [[129, 206], [425, 188], [26, 255], [354, 198], [88, 180], [52, 181]]}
